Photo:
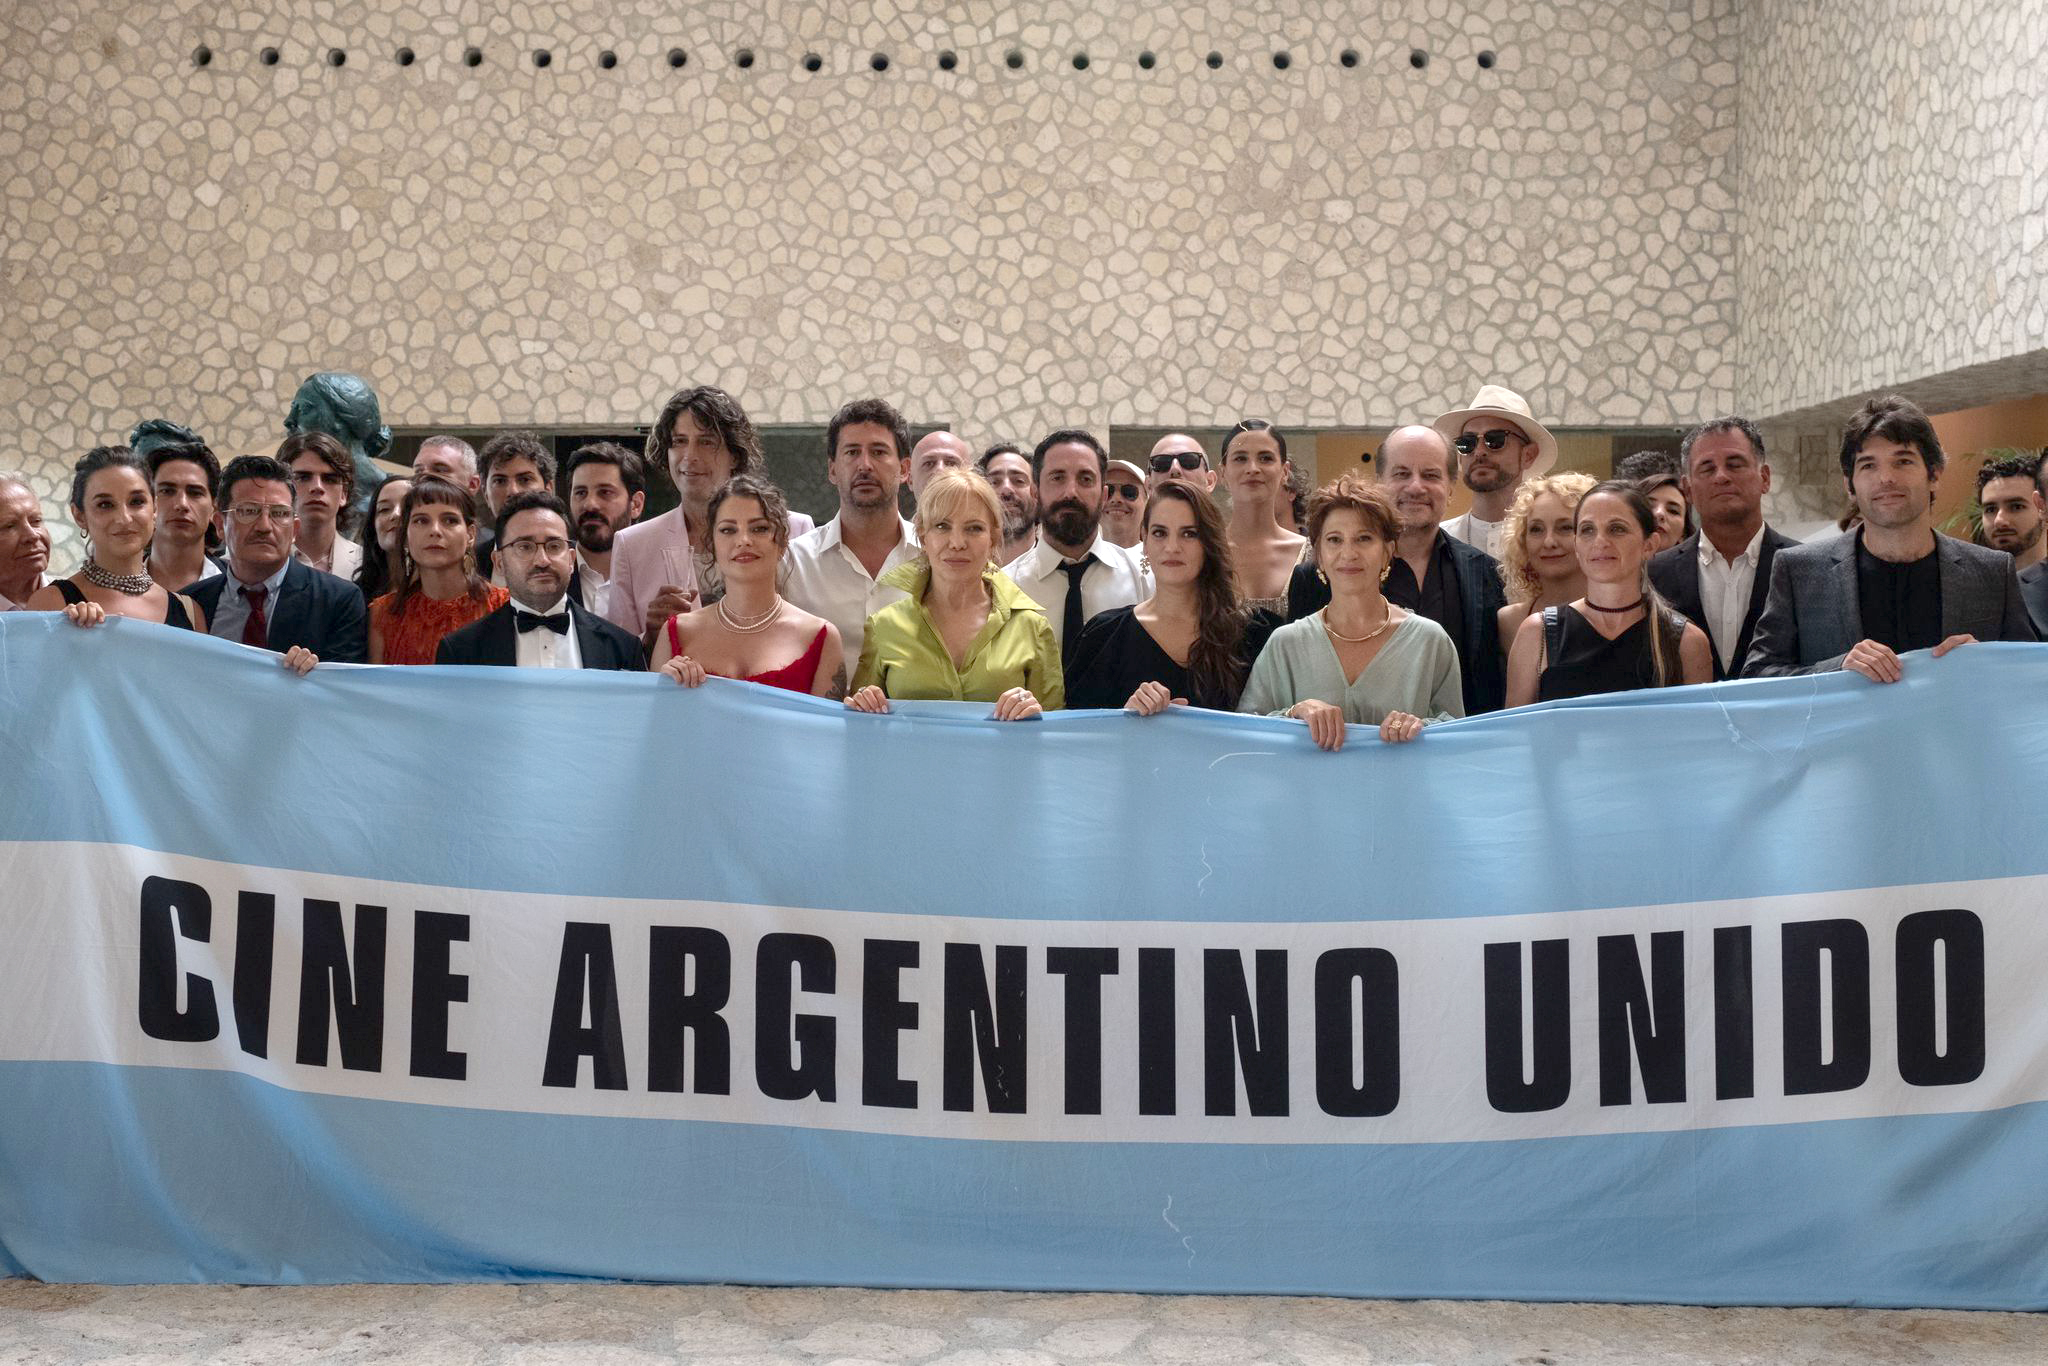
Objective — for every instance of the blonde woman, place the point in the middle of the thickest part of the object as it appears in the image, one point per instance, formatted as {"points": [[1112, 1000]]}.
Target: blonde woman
{"points": [[1539, 564]]}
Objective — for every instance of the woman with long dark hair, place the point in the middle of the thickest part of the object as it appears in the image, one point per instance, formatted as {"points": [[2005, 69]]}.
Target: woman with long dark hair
{"points": [[1257, 476], [1193, 640], [381, 529], [114, 505], [438, 588], [1621, 635]]}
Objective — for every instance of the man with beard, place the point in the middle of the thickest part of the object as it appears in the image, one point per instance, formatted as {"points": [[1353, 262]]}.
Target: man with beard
{"points": [[607, 491], [2009, 493], [1073, 571], [936, 451], [835, 571], [1500, 444], [543, 626], [1123, 503], [1894, 584], [1008, 471]]}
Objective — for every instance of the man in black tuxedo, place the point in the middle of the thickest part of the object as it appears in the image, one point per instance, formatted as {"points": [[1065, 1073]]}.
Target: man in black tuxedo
{"points": [[1720, 575], [269, 598], [543, 627]]}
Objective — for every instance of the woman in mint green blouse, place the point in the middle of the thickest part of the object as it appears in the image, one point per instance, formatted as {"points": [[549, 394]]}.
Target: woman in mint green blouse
{"points": [[1361, 659], [965, 633]]}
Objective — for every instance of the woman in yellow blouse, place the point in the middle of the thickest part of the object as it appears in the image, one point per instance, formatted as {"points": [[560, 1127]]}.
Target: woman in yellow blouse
{"points": [[965, 633]]}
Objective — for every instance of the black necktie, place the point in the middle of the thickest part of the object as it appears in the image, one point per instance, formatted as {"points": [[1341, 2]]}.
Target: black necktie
{"points": [[533, 621], [1071, 626]]}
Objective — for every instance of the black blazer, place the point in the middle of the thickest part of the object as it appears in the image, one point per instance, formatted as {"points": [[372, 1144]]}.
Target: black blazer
{"points": [[1480, 591], [319, 611], [493, 639], [1675, 573], [2034, 591]]}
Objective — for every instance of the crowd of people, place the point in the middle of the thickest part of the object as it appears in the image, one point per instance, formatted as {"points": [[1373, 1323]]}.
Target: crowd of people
{"points": [[1058, 576]]}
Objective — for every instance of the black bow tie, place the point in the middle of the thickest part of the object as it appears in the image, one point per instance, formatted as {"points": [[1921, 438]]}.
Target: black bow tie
{"points": [[533, 621]]}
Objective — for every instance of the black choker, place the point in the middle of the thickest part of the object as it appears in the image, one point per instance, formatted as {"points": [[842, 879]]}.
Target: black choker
{"points": [[1625, 607]]}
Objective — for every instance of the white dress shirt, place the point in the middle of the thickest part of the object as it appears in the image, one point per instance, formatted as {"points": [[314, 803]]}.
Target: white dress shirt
{"points": [[822, 576], [592, 583], [1468, 528], [1725, 586], [541, 648], [1118, 578]]}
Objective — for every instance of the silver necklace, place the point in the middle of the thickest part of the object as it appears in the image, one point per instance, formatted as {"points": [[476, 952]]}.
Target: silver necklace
{"points": [[747, 625], [134, 585], [1385, 622]]}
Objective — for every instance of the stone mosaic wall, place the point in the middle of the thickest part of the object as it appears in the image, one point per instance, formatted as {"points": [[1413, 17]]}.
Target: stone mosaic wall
{"points": [[998, 247], [1893, 205]]}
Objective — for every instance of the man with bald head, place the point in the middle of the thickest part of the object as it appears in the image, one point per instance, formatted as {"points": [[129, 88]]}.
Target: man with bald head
{"points": [[1455, 585], [936, 451], [1179, 456]]}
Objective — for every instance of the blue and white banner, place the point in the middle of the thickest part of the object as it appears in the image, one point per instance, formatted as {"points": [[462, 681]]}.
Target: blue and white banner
{"points": [[1720, 995]]}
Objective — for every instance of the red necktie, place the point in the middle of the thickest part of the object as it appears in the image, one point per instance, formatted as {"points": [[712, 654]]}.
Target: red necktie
{"points": [[256, 631]]}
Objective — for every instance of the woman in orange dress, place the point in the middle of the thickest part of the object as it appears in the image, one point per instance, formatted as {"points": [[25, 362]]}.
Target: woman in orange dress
{"points": [[438, 589]]}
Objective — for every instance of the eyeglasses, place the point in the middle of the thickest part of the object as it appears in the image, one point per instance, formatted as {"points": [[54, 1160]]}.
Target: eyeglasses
{"points": [[1187, 460], [525, 548], [1495, 439], [280, 514], [1127, 492]]}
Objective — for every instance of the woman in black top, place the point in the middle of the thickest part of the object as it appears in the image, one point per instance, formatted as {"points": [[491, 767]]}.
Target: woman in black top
{"points": [[113, 504], [1620, 636], [1193, 640]]}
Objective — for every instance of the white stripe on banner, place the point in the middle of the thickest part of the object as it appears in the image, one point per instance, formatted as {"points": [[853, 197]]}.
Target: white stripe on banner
{"points": [[1786, 1009]]}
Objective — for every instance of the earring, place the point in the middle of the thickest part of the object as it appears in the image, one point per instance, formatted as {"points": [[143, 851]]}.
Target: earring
{"points": [[1145, 562], [469, 563], [1385, 573], [1323, 576]]}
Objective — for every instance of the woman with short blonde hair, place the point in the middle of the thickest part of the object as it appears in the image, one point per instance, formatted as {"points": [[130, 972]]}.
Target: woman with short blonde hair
{"points": [[1539, 564]]}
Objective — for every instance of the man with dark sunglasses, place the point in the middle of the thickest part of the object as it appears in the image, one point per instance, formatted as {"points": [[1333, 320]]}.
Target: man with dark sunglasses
{"points": [[1499, 443], [1179, 456], [1123, 503]]}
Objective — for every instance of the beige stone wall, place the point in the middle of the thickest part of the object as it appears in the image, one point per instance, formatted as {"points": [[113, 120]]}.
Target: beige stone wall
{"points": [[1338, 246]]}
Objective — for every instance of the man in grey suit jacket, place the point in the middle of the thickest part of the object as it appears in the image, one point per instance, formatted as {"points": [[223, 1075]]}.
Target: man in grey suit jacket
{"points": [[1860, 600]]}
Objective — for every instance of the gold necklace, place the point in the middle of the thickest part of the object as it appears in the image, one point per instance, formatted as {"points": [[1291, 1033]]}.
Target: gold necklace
{"points": [[743, 625], [1385, 622]]}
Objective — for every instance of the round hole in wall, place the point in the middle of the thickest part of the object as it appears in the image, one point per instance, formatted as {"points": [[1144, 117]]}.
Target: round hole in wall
{"points": [[472, 56], [1013, 59], [1146, 60], [1281, 61], [202, 56], [948, 60], [542, 57], [268, 56], [1080, 61], [1214, 59], [607, 59], [336, 57], [677, 58], [879, 62], [744, 58], [813, 62], [1486, 60], [1417, 58], [1348, 57], [405, 56]]}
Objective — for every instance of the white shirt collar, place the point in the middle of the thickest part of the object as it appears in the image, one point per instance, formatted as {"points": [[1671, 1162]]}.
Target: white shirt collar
{"points": [[1710, 556], [1045, 558], [834, 534], [561, 606]]}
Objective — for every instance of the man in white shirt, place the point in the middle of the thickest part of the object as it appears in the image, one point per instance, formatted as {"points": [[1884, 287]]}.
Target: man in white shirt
{"points": [[834, 570], [24, 543], [542, 627], [184, 475], [1499, 444], [1008, 471], [1721, 574], [324, 484], [607, 492], [933, 452], [1123, 503], [1073, 571]]}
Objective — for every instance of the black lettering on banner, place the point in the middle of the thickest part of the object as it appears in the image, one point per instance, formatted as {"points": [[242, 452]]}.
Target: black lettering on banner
{"points": [[794, 1055], [255, 948], [679, 1008], [1550, 988], [1734, 1015], [1158, 1058], [1961, 935], [435, 986], [156, 1001], [884, 1015], [587, 973], [351, 992], [1652, 1017], [1375, 1032], [1083, 969], [1807, 1070], [992, 1030], [1232, 1032]]}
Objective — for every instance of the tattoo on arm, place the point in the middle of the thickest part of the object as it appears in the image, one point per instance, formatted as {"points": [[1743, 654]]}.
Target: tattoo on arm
{"points": [[836, 689]]}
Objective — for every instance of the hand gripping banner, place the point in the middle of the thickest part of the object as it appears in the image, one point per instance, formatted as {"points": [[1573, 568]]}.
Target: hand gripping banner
{"points": [[1726, 994]]}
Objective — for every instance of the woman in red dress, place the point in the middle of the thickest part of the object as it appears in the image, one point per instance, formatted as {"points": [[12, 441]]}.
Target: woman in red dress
{"points": [[438, 589], [753, 633]]}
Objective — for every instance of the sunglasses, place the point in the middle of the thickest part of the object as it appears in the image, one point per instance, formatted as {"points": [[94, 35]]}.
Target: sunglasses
{"points": [[1495, 439], [1127, 492], [1187, 460]]}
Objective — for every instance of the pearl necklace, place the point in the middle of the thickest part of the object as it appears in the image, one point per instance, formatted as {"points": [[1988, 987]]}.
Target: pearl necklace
{"points": [[134, 585], [1385, 622], [746, 626]]}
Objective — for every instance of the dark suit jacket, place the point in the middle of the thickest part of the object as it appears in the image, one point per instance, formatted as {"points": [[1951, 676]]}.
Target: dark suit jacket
{"points": [[1675, 573], [493, 639], [2034, 592], [1484, 672], [1813, 616], [319, 611]]}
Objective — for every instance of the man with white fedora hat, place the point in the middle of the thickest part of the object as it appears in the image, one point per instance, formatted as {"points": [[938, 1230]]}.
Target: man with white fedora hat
{"points": [[1499, 443]]}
